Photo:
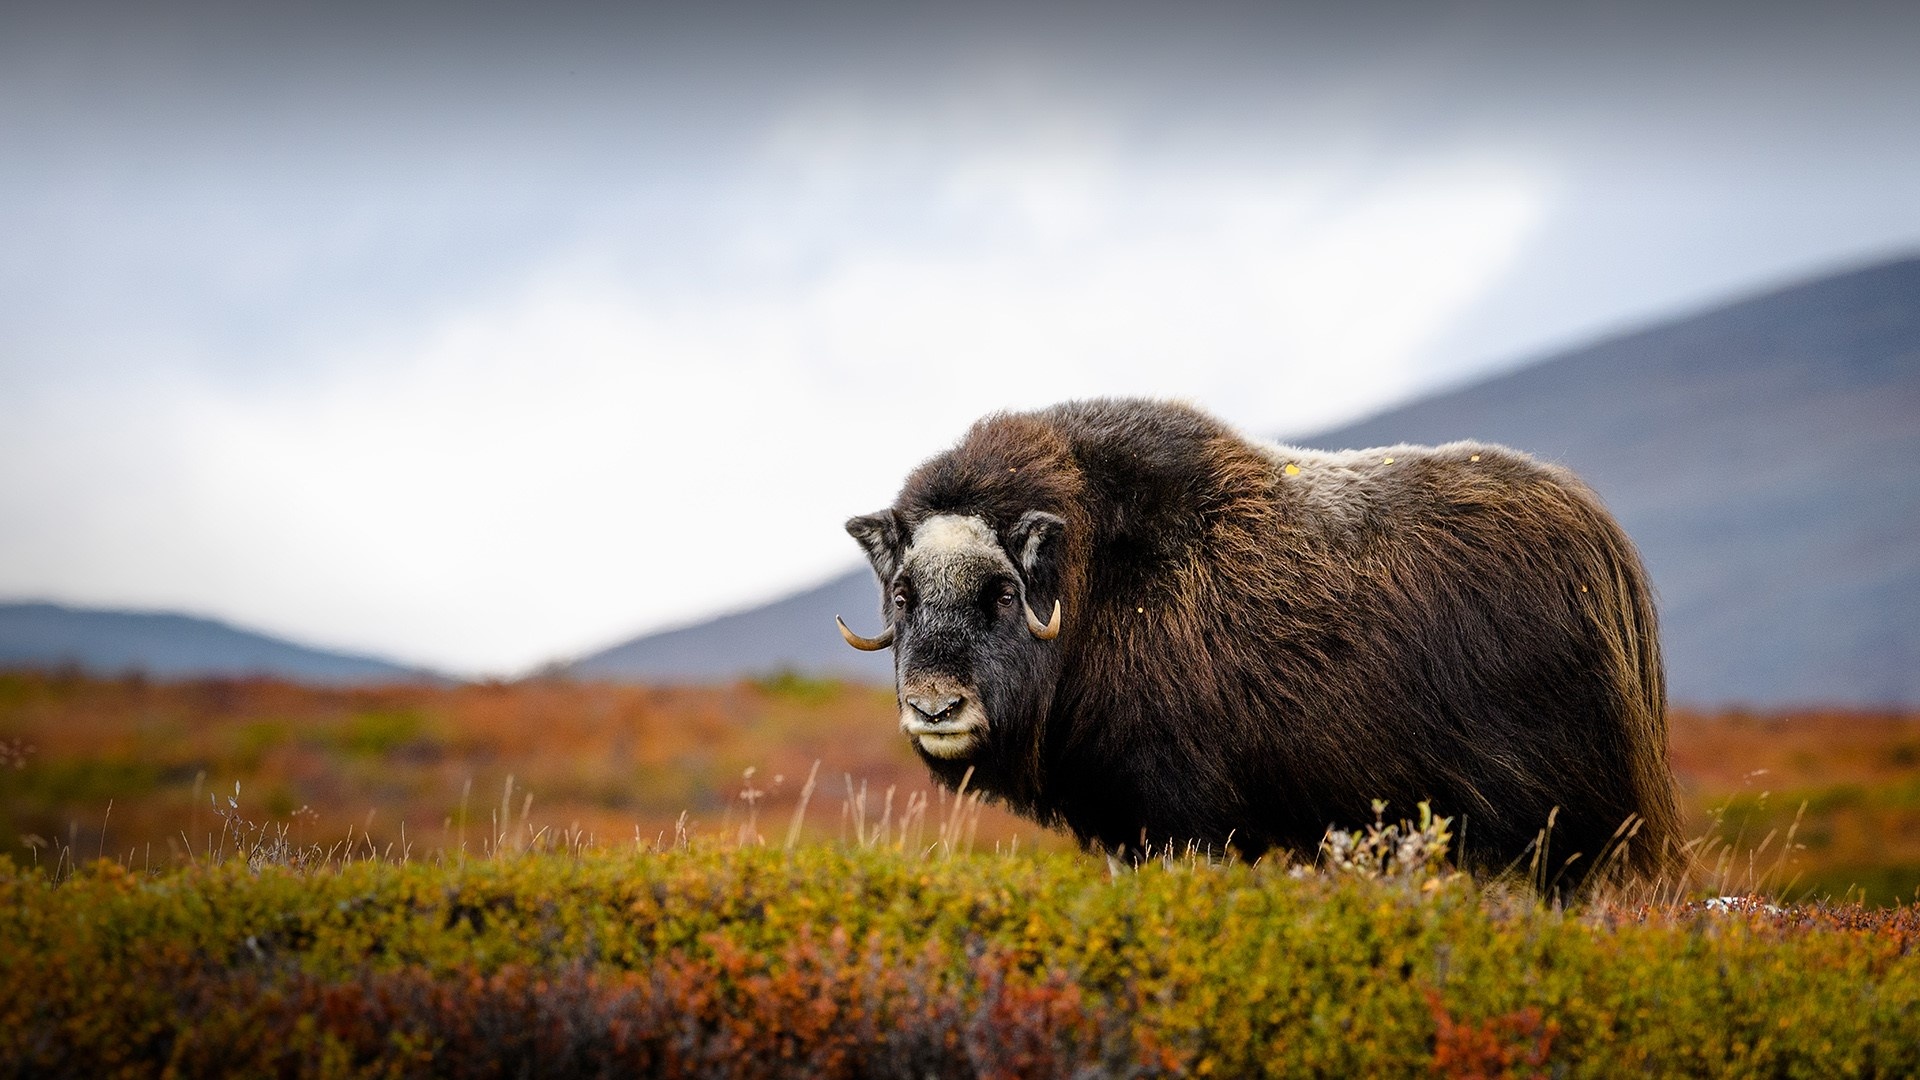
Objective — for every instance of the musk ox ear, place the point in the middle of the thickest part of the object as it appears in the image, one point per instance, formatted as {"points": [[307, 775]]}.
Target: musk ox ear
{"points": [[880, 535], [1034, 540]]}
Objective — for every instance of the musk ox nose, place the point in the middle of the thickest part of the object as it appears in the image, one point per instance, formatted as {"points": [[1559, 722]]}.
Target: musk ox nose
{"points": [[932, 706]]}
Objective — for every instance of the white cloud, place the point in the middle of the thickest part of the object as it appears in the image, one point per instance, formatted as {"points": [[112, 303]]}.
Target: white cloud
{"points": [[543, 472]]}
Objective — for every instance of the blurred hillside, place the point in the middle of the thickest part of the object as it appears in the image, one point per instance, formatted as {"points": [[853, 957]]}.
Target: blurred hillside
{"points": [[1763, 455], [171, 646], [785, 635]]}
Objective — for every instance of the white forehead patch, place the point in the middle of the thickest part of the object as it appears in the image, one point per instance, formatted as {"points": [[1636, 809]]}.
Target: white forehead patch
{"points": [[945, 532], [946, 544]]}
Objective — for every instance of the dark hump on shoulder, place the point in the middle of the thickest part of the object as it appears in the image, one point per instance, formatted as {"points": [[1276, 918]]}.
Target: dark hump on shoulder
{"points": [[1005, 465], [1129, 463], [1151, 467]]}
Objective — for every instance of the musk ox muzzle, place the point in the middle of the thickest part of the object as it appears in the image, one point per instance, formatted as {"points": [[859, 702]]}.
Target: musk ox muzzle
{"points": [[942, 716]]}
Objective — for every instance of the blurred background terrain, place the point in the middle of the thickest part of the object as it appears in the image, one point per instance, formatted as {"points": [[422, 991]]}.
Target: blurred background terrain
{"points": [[150, 773]]}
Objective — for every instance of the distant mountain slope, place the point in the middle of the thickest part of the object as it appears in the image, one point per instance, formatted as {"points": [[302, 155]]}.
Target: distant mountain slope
{"points": [[170, 646], [1765, 456], [795, 633]]}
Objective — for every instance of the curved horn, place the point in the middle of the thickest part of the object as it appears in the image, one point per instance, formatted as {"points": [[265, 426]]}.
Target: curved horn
{"points": [[1046, 631], [874, 644]]}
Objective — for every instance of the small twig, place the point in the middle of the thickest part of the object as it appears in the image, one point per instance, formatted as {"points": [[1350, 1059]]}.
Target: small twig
{"points": [[800, 810]]}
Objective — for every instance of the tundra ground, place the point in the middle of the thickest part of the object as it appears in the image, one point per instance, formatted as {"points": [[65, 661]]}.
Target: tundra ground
{"points": [[551, 879], [139, 772]]}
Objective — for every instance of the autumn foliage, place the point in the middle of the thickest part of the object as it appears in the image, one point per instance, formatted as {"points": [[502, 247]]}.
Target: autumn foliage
{"points": [[853, 961], [1802, 804], [551, 879]]}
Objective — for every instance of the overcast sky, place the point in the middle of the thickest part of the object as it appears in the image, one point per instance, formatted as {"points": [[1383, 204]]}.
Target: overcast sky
{"points": [[478, 338]]}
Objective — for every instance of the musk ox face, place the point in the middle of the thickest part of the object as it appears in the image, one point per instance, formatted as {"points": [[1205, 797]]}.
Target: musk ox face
{"points": [[973, 665]]}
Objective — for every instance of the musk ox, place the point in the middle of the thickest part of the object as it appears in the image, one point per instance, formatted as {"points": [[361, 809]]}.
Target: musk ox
{"points": [[1245, 643]]}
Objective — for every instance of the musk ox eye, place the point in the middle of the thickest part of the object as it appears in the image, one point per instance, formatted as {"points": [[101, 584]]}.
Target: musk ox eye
{"points": [[1007, 597], [899, 599]]}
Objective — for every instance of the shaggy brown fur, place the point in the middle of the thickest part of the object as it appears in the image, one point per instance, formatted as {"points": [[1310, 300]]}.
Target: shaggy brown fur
{"points": [[1260, 640]]}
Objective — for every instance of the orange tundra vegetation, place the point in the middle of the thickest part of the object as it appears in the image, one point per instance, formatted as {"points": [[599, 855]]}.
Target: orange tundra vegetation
{"points": [[140, 771]]}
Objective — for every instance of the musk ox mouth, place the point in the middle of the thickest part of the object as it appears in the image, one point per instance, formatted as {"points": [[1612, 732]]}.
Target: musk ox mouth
{"points": [[950, 734]]}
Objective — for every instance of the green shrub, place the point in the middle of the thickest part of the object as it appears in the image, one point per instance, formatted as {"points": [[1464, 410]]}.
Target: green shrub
{"points": [[254, 741], [829, 961], [380, 732], [790, 685], [55, 783]]}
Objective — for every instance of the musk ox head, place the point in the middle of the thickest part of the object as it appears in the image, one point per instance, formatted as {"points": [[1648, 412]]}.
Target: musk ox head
{"points": [[974, 666]]}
